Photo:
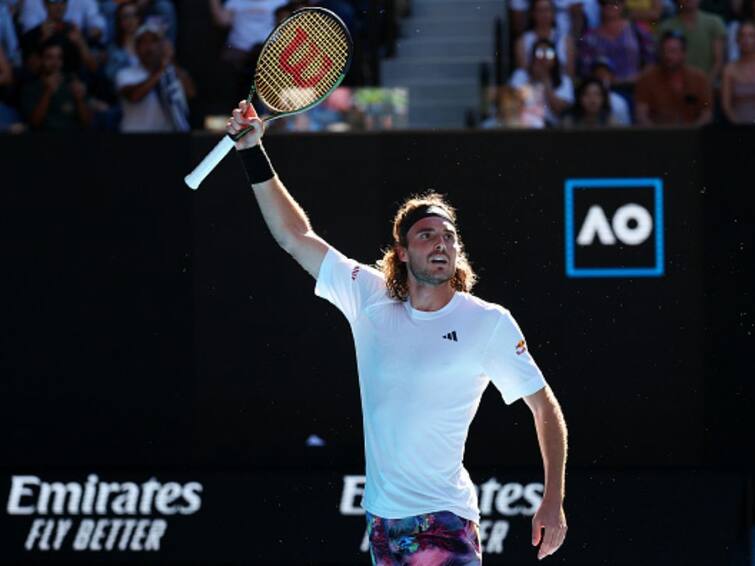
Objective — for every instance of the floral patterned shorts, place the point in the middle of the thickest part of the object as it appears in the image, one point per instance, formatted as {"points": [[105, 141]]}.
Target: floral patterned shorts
{"points": [[432, 539]]}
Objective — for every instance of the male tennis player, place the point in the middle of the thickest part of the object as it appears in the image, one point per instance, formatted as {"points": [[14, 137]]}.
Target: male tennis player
{"points": [[426, 350]]}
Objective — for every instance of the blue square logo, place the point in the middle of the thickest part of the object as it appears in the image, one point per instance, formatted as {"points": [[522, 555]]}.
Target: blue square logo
{"points": [[614, 227]]}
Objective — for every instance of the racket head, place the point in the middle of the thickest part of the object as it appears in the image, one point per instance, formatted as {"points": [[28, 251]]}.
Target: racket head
{"points": [[302, 61]]}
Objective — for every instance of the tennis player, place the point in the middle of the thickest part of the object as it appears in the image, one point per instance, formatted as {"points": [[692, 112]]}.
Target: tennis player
{"points": [[426, 350]]}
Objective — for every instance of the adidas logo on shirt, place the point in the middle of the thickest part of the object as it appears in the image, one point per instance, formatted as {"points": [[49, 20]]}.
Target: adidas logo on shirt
{"points": [[451, 336]]}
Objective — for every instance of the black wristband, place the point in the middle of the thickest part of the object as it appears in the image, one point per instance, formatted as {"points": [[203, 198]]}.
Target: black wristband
{"points": [[256, 164]]}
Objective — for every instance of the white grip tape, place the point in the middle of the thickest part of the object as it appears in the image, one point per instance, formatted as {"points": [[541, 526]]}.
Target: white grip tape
{"points": [[195, 178]]}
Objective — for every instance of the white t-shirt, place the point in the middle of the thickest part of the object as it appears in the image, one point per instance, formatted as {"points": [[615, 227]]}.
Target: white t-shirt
{"points": [[421, 377], [619, 110], [147, 115], [253, 20]]}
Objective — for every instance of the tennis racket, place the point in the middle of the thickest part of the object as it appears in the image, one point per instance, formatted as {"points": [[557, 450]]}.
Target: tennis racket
{"points": [[302, 61]]}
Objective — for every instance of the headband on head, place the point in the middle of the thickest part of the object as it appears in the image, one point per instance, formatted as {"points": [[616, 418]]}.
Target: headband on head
{"points": [[418, 214]]}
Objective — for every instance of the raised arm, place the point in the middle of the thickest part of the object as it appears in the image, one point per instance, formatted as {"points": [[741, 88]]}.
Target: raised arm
{"points": [[286, 220]]}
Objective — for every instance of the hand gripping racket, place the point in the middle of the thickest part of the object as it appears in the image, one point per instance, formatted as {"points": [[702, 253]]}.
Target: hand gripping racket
{"points": [[303, 60]]}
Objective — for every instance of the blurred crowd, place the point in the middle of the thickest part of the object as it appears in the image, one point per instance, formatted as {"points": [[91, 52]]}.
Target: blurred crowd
{"points": [[623, 62], [110, 65], [91, 64]]}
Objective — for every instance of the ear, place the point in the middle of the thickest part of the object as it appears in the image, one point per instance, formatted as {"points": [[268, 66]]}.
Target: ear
{"points": [[401, 252]]}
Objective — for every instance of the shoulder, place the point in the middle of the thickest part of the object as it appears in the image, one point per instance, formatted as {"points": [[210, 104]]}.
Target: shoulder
{"points": [[695, 74], [671, 24], [493, 312], [519, 78], [649, 75], [713, 21]]}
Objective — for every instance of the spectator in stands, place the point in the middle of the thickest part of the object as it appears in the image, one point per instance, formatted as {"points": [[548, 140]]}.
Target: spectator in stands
{"points": [[546, 90], [746, 14], [569, 17], [738, 84], [158, 12], [55, 100], [154, 92], [510, 111], [78, 56], [543, 26], [10, 121], [645, 13], [592, 107], [84, 15], [626, 45], [8, 37], [672, 92], [602, 69], [705, 36], [121, 52], [250, 22]]}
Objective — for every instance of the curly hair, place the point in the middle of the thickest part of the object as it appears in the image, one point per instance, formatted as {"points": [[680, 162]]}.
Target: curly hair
{"points": [[395, 270]]}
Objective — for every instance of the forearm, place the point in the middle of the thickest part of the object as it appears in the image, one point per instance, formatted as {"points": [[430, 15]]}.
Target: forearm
{"points": [[221, 16], [552, 437], [84, 112], [285, 219], [38, 115], [135, 93]]}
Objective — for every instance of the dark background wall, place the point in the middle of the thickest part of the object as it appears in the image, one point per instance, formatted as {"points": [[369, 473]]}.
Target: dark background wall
{"points": [[150, 330]]}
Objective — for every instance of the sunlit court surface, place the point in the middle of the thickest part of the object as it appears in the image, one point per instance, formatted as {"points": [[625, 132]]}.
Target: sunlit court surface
{"points": [[396, 282]]}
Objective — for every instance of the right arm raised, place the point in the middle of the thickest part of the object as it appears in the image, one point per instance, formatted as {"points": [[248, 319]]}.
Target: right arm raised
{"points": [[287, 221]]}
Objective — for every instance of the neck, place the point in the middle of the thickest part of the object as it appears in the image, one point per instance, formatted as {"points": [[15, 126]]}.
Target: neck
{"points": [[424, 297]]}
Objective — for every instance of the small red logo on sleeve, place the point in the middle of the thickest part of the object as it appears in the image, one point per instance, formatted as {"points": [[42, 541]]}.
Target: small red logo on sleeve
{"points": [[354, 273], [521, 348]]}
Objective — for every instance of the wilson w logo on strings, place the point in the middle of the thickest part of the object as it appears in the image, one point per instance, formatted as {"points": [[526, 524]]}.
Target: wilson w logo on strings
{"points": [[297, 68]]}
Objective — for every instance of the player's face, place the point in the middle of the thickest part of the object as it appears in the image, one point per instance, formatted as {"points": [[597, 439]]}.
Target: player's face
{"points": [[432, 247]]}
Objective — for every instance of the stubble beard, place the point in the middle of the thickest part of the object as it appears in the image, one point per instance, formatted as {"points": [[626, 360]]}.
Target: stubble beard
{"points": [[424, 276]]}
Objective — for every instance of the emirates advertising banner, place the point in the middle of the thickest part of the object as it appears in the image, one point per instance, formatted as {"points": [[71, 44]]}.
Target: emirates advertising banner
{"points": [[295, 517], [259, 518]]}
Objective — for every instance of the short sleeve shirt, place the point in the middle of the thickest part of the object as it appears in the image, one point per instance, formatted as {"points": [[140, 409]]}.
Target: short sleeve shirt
{"points": [[709, 28], [421, 377]]}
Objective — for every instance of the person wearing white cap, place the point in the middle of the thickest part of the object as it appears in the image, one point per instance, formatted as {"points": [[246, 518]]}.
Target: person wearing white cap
{"points": [[153, 92]]}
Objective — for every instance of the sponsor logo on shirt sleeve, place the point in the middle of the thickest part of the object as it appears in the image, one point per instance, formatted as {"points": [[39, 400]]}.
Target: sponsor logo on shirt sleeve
{"points": [[521, 347]]}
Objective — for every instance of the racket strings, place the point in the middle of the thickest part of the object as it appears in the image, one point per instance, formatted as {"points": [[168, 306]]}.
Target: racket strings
{"points": [[282, 86], [278, 88]]}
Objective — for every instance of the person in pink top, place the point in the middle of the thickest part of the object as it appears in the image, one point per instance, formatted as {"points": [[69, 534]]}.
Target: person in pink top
{"points": [[738, 84]]}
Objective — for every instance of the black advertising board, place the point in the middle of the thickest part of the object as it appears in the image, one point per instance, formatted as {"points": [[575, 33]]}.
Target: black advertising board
{"points": [[156, 338]]}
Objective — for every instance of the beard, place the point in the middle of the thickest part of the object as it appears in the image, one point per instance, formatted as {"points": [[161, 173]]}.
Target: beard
{"points": [[427, 277]]}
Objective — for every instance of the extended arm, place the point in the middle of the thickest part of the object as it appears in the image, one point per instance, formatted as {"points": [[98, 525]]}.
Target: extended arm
{"points": [[286, 220], [551, 435]]}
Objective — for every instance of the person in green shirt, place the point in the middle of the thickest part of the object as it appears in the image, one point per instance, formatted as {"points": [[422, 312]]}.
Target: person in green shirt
{"points": [[55, 100], [705, 35]]}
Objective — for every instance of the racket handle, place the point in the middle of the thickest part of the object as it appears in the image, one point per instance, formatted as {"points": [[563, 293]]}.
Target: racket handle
{"points": [[205, 167]]}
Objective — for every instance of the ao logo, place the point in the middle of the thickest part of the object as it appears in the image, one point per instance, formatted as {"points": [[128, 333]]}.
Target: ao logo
{"points": [[614, 227], [632, 224]]}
